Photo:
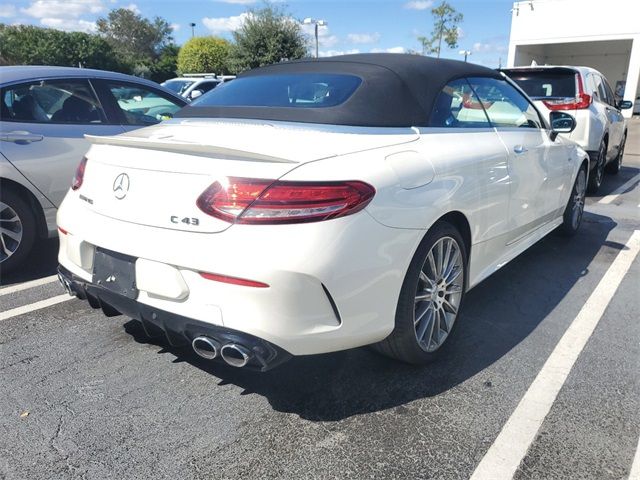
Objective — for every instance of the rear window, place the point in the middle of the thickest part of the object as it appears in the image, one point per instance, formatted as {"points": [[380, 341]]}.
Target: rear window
{"points": [[306, 90], [543, 84]]}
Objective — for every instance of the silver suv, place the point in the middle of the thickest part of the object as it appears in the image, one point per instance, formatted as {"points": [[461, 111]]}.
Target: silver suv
{"points": [[584, 93]]}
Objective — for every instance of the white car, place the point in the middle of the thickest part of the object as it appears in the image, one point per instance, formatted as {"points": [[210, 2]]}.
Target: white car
{"points": [[194, 85], [585, 93], [319, 205]]}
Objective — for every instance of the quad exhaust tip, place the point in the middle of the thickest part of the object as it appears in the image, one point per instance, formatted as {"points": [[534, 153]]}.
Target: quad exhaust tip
{"points": [[206, 347], [235, 355]]}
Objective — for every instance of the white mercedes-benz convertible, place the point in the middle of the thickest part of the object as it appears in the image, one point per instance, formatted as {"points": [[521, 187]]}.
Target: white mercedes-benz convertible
{"points": [[319, 205]]}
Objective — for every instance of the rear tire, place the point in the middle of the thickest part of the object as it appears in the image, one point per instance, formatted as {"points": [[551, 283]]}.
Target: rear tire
{"points": [[614, 167], [430, 298], [17, 230], [597, 174], [574, 210]]}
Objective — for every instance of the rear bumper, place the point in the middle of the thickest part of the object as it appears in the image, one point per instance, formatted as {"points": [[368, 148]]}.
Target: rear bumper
{"points": [[178, 330], [332, 285]]}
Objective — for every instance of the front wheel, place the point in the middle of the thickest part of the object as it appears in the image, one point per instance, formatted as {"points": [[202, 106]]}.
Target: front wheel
{"points": [[574, 210], [430, 297]]}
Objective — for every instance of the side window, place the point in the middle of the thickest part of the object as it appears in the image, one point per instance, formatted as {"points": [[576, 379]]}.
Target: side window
{"points": [[505, 106], [611, 98], [599, 88], [456, 106], [52, 101], [141, 105], [206, 86]]}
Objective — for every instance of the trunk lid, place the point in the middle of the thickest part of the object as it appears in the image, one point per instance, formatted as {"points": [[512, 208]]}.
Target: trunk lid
{"points": [[154, 176]]}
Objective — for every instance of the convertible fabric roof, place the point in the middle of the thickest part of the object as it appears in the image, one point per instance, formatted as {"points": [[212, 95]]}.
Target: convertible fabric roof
{"points": [[397, 90]]}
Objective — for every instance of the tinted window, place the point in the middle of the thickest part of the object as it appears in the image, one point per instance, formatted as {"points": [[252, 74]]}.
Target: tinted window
{"points": [[141, 105], [206, 86], [178, 86], [505, 106], [611, 99], [55, 101], [599, 90], [306, 90], [540, 84], [457, 106]]}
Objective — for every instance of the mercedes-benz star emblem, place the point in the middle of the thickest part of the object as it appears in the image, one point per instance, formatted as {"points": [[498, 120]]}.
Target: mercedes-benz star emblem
{"points": [[121, 186]]}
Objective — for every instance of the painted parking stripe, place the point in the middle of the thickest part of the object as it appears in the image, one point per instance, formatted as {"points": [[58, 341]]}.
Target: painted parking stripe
{"points": [[26, 285], [621, 189], [635, 466], [32, 307], [509, 448]]}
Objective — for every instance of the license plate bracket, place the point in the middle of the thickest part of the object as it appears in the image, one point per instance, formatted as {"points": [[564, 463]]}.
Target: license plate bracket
{"points": [[115, 272]]}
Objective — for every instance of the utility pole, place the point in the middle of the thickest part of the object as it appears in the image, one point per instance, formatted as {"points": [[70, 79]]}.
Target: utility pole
{"points": [[466, 53], [193, 31]]}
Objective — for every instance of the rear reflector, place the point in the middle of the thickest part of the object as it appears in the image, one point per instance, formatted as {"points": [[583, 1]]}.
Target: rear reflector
{"points": [[268, 202], [233, 280], [63, 231], [79, 176]]}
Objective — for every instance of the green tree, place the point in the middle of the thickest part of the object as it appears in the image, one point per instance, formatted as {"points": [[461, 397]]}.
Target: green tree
{"points": [[167, 64], [445, 27], [268, 35], [136, 39], [204, 54], [30, 45]]}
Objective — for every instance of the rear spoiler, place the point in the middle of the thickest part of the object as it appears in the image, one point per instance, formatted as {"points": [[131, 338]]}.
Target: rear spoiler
{"points": [[185, 148]]}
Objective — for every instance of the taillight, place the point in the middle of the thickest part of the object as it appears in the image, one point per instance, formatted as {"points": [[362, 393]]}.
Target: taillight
{"points": [[249, 201], [79, 176], [580, 101]]}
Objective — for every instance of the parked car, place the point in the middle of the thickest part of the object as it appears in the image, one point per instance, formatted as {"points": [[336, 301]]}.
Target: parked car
{"points": [[586, 94], [44, 114], [319, 205], [194, 85]]}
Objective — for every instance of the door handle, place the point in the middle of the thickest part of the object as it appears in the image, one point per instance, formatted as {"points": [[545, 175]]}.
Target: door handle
{"points": [[21, 137], [520, 149]]}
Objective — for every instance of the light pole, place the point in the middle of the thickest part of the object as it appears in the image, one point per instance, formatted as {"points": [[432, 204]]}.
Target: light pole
{"points": [[193, 32], [316, 24], [466, 53]]}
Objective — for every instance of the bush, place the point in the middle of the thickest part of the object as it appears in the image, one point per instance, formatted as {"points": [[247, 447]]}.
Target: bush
{"points": [[204, 54]]}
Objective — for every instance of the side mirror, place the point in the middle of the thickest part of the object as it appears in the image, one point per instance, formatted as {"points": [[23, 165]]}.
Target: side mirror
{"points": [[561, 122], [195, 94], [625, 104]]}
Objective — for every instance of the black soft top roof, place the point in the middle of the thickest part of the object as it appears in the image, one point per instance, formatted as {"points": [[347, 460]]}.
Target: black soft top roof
{"points": [[397, 90]]}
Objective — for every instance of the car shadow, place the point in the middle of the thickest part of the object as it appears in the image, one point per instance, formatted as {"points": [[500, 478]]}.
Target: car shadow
{"points": [[613, 182], [498, 314], [41, 262]]}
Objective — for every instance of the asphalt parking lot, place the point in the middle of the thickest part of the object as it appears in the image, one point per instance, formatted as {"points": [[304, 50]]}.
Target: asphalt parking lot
{"points": [[85, 396]]}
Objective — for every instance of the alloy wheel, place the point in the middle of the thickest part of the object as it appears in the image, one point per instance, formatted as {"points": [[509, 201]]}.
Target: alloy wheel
{"points": [[578, 194], [438, 294], [10, 231], [600, 167]]}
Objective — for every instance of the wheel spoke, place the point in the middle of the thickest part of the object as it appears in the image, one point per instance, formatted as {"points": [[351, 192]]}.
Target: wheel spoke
{"points": [[446, 304], [422, 297], [419, 316], [11, 220], [17, 236], [427, 324], [432, 264], [440, 255], [6, 251]]}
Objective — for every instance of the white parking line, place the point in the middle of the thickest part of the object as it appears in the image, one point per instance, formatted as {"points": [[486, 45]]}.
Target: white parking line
{"points": [[635, 466], [621, 189], [503, 457], [14, 312], [26, 285]]}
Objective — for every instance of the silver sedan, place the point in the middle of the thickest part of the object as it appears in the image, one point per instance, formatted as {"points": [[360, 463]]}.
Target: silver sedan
{"points": [[44, 114]]}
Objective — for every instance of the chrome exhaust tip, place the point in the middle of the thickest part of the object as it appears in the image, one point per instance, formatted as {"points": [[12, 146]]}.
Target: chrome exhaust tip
{"points": [[206, 347], [235, 355]]}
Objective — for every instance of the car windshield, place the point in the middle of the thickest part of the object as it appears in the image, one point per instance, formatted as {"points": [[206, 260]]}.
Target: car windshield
{"points": [[306, 90], [178, 86], [543, 84]]}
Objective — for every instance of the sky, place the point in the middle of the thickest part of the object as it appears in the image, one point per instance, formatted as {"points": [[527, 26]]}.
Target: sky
{"points": [[353, 26]]}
